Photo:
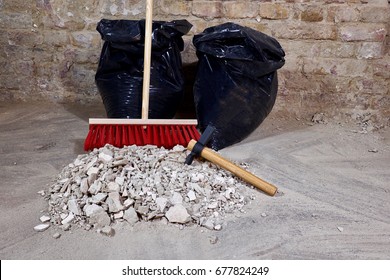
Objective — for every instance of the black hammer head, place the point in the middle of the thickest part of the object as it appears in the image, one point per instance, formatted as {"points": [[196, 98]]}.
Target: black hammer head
{"points": [[204, 139]]}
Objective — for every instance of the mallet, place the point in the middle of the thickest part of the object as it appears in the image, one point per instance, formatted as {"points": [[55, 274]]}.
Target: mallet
{"points": [[199, 149]]}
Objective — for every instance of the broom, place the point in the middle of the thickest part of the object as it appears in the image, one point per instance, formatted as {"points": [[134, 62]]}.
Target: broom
{"points": [[125, 132]]}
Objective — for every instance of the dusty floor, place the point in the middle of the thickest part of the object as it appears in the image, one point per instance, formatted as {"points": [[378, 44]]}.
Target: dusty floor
{"points": [[333, 201]]}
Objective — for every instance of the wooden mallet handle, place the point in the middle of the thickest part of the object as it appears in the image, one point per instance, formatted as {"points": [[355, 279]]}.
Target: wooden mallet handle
{"points": [[215, 158]]}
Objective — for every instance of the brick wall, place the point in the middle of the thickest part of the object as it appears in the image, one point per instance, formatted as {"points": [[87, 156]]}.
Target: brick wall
{"points": [[337, 51]]}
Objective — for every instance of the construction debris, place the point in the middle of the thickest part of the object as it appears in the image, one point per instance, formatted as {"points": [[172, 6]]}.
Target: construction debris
{"points": [[136, 184], [44, 218], [41, 227]]}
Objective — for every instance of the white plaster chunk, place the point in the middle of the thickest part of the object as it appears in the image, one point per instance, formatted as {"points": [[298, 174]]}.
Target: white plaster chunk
{"points": [[68, 219], [120, 162], [118, 215], [44, 219], [178, 214], [176, 198], [92, 209], [209, 224], [74, 207], [105, 157], [84, 186], [114, 202], [100, 219], [41, 227], [98, 198], [128, 202], [131, 216], [113, 187], [93, 170], [120, 180], [161, 203], [95, 187], [213, 205], [191, 195]]}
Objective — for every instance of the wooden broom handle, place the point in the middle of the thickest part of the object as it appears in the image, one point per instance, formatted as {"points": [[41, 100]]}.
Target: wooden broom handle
{"points": [[147, 59], [213, 157]]}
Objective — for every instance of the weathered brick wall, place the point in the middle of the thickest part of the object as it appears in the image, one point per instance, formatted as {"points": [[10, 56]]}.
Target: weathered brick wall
{"points": [[337, 51]]}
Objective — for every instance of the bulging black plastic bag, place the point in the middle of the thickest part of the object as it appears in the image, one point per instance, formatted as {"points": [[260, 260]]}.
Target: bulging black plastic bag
{"points": [[236, 82], [119, 76]]}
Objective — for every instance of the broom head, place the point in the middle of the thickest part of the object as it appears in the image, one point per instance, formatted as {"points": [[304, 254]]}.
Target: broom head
{"points": [[127, 132]]}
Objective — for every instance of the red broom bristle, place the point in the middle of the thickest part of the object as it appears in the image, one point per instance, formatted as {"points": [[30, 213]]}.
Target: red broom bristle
{"points": [[181, 139], [161, 136], [126, 135], [174, 132], [118, 137], [100, 136], [168, 134]]}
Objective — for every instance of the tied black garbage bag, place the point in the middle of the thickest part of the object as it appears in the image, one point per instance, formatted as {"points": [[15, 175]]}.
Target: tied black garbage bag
{"points": [[119, 76], [236, 82]]}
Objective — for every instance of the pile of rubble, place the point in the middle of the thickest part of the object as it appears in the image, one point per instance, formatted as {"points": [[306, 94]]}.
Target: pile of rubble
{"points": [[136, 184]]}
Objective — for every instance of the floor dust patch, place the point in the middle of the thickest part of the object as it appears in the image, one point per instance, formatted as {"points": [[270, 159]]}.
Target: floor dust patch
{"points": [[136, 184]]}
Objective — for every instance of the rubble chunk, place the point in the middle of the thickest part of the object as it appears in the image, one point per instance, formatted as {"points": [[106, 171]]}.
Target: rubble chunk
{"points": [[100, 219], [68, 219], [178, 214], [44, 218], [41, 227], [95, 187], [114, 202], [191, 195], [161, 203], [113, 187], [92, 209], [138, 184], [131, 216], [74, 207], [176, 198]]}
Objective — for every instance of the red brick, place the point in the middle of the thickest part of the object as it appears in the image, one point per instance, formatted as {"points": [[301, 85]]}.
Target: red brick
{"points": [[273, 11], [84, 39], [343, 14], [207, 9], [320, 48], [369, 50], [312, 13], [176, 7], [24, 38], [381, 68], [234, 9], [363, 32], [16, 5], [198, 25], [338, 67], [304, 30], [375, 14], [15, 20]]}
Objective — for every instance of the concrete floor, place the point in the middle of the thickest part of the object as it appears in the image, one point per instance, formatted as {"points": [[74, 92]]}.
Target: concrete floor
{"points": [[326, 176]]}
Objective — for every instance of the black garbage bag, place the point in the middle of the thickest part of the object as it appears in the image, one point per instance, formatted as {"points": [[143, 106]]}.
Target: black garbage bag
{"points": [[236, 82], [119, 76]]}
